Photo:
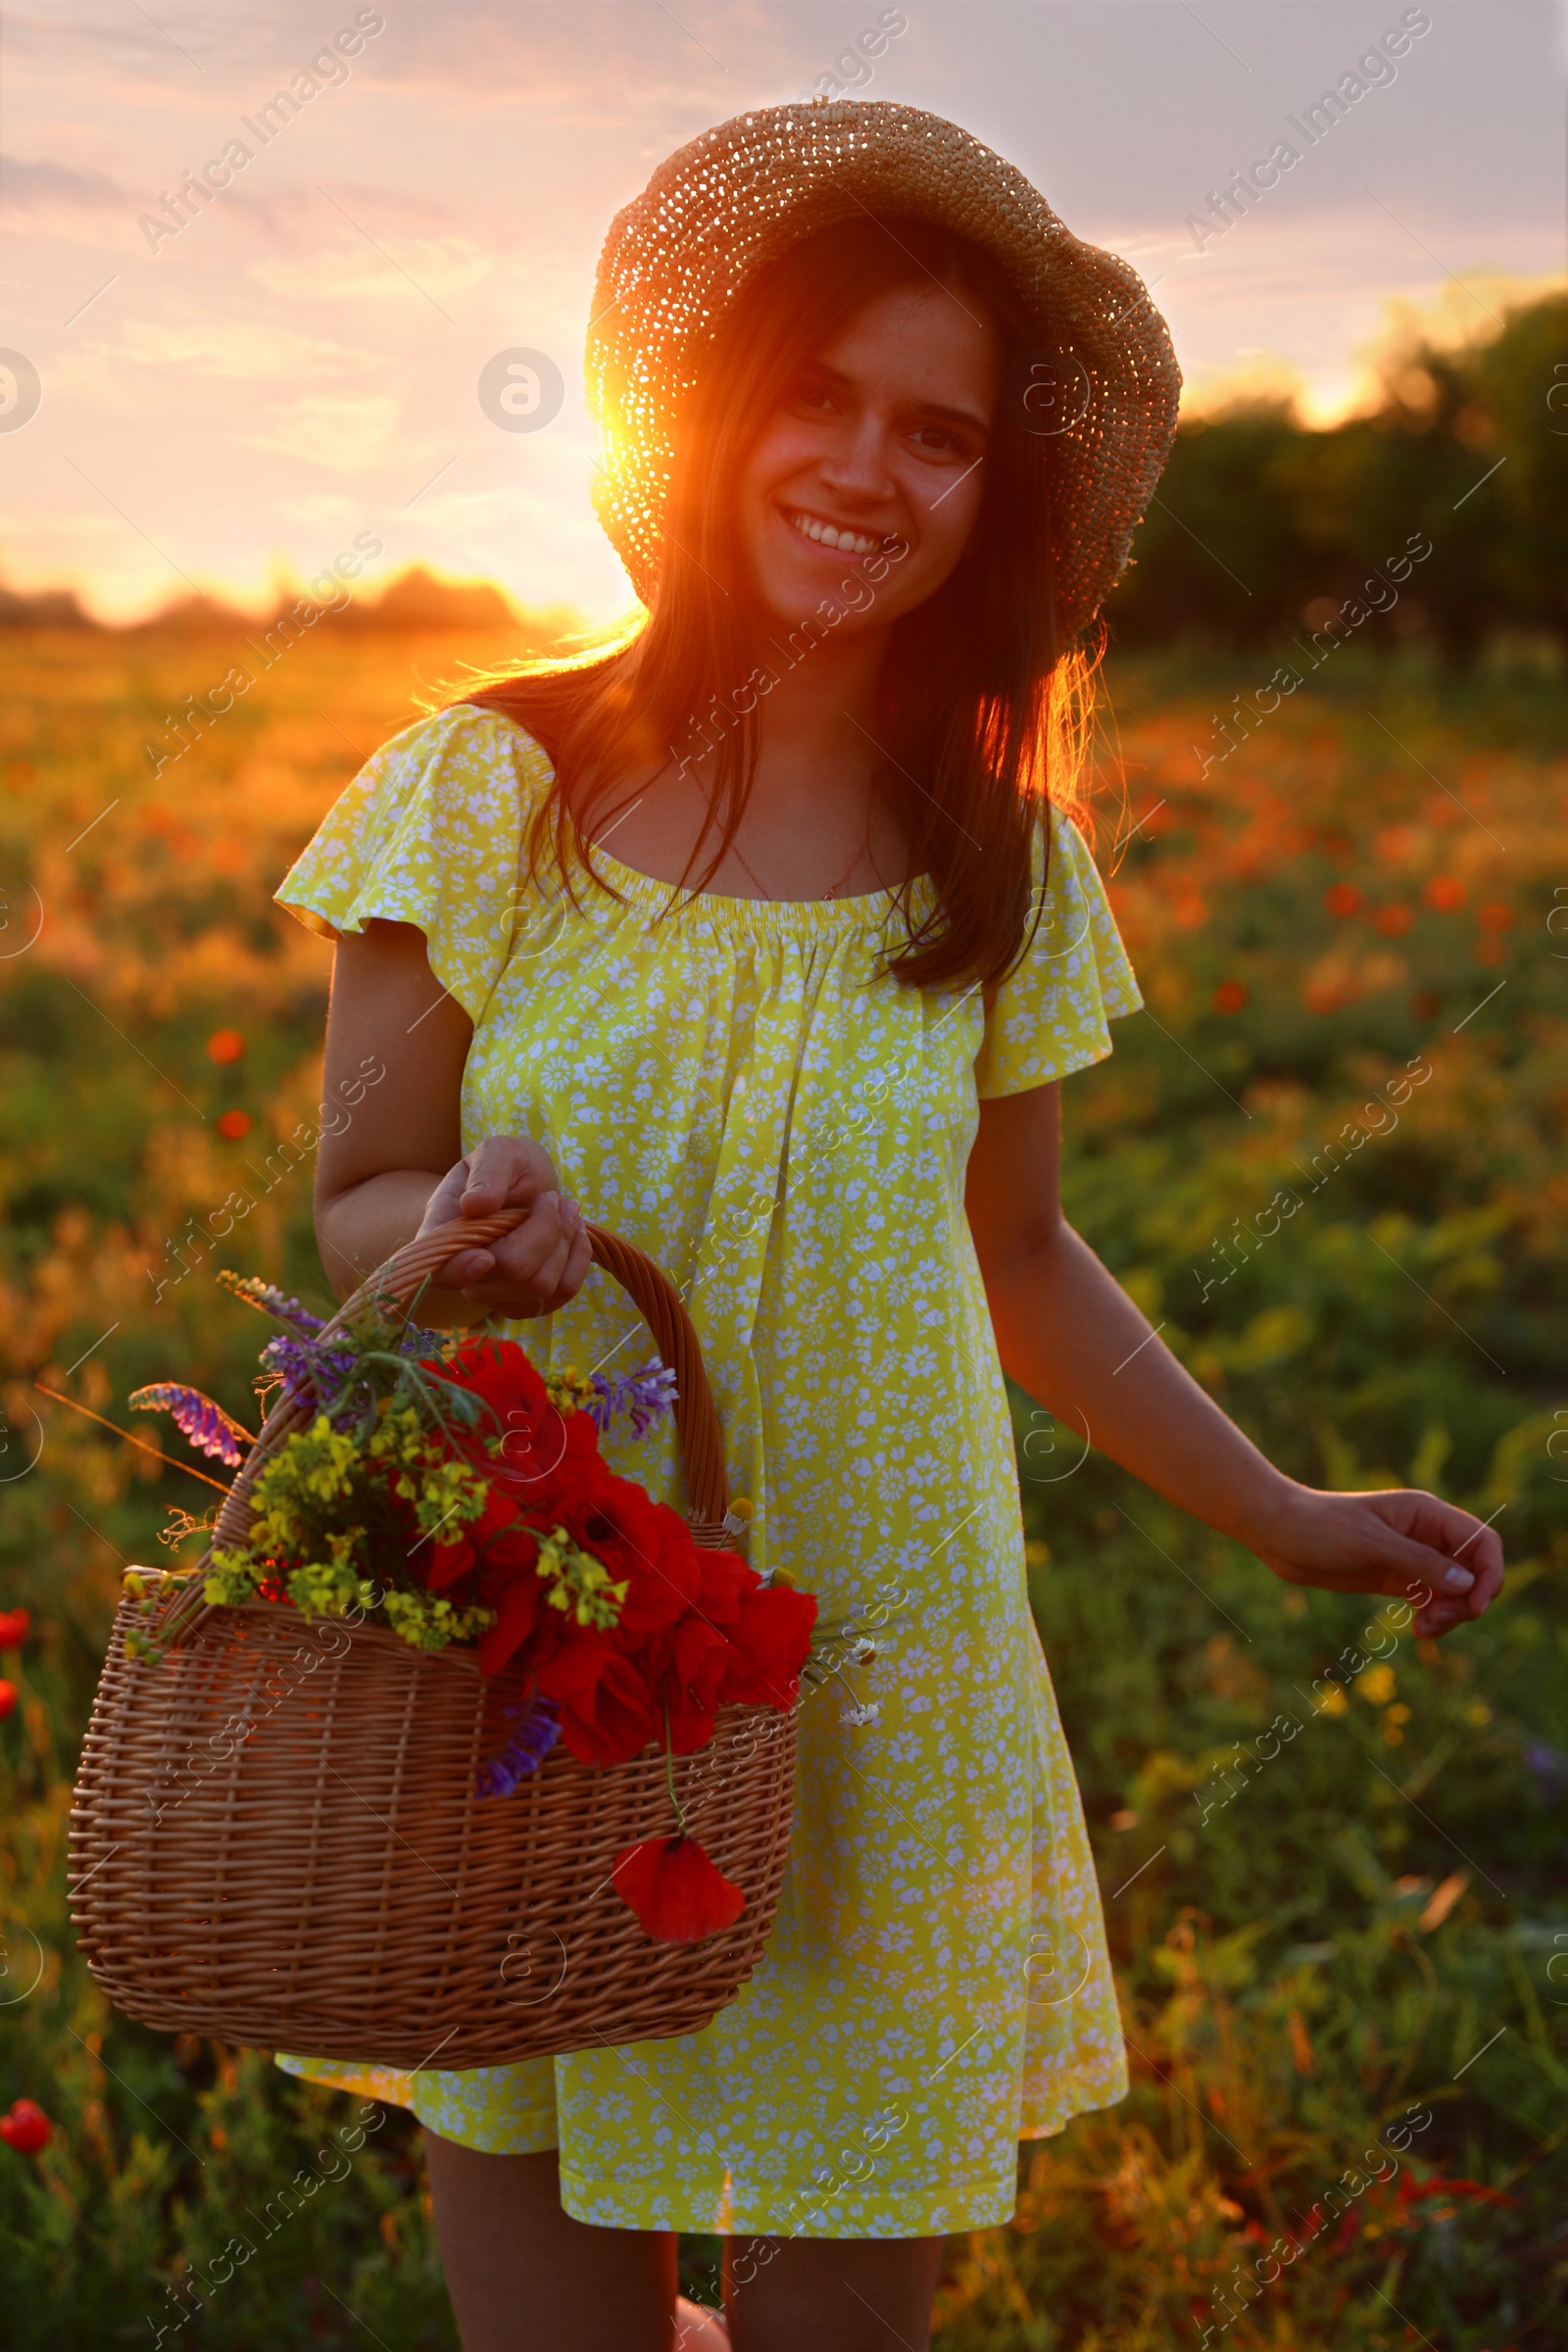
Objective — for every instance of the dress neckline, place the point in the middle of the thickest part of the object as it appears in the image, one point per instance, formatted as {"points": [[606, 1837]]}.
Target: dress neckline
{"points": [[862, 907], [867, 910]]}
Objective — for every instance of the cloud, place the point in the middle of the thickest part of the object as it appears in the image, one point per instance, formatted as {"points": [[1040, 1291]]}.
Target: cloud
{"points": [[335, 274], [347, 432], [44, 186], [149, 368], [240, 350]]}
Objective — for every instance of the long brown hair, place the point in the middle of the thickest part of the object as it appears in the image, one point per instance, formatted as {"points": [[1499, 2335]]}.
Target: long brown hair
{"points": [[981, 709]]}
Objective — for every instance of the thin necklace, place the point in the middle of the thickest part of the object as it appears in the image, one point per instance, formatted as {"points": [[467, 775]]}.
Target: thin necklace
{"points": [[826, 895]]}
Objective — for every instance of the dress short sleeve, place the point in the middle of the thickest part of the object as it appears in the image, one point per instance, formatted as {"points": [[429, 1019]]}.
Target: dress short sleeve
{"points": [[430, 832], [1051, 1014]]}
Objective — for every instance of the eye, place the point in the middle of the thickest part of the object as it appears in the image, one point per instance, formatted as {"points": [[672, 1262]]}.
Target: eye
{"points": [[814, 397]]}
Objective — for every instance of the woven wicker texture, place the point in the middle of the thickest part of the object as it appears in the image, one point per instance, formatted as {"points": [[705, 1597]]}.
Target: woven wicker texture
{"points": [[743, 193], [274, 1835]]}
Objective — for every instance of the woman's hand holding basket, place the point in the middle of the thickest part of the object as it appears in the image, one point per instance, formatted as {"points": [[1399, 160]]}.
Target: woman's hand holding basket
{"points": [[530, 1271]]}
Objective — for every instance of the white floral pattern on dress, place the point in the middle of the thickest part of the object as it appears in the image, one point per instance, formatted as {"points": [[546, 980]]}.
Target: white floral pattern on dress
{"points": [[737, 1089]]}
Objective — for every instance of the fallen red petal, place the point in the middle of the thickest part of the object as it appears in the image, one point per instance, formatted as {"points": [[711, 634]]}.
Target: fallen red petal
{"points": [[675, 1890]]}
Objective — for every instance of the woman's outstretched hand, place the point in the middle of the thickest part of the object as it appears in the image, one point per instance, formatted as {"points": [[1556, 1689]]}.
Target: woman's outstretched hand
{"points": [[540, 1264], [1402, 1542]]}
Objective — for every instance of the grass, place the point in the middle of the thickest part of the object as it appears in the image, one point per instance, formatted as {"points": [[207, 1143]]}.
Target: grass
{"points": [[1336, 1902]]}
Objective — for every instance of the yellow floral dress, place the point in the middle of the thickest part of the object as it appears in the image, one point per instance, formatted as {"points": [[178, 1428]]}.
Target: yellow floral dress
{"points": [[734, 1086]]}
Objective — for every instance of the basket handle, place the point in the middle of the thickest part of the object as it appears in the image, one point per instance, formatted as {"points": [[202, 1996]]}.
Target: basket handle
{"points": [[397, 1281], [651, 1292]]}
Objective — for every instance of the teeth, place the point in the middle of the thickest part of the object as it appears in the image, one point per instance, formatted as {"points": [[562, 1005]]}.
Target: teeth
{"points": [[825, 535]]}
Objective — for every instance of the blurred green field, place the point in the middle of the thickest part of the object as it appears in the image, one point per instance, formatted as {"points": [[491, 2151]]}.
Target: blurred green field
{"points": [[1318, 1930]]}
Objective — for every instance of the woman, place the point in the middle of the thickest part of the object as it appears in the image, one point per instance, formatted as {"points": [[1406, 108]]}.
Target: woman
{"points": [[877, 431]]}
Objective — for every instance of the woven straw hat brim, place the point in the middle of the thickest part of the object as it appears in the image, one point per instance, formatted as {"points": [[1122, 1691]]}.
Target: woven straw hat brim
{"points": [[719, 209]]}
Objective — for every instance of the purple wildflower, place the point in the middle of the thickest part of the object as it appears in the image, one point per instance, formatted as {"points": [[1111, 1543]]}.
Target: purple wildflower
{"points": [[642, 1395], [535, 1736], [271, 1302], [208, 1427], [305, 1371]]}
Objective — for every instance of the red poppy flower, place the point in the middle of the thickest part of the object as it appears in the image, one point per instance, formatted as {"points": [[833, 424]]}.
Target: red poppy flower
{"points": [[771, 1641], [8, 1698], [605, 1707], [497, 1536], [649, 1547], [534, 1434], [1445, 892], [675, 1890], [26, 2128], [14, 1624], [517, 1608], [726, 1581]]}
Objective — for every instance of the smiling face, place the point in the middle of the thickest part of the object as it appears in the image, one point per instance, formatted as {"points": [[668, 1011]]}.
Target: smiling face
{"points": [[878, 442]]}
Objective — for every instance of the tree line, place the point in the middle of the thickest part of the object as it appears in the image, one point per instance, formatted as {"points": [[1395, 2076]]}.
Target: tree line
{"points": [[1261, 528]]}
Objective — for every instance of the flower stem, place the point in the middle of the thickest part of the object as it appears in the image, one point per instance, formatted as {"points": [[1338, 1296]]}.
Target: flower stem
{"points": [[669, 1763]]}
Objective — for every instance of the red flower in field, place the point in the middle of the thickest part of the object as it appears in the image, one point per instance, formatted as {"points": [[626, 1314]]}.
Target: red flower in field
{"points": [[1393, 921], [26, 2128], [1495, 916], [1230, 996], [1458, 2187], [1342, 898], [8, 1698], [1424, 1003], [14, 1624], [1444, 893], [676, 1892], [233, 1124], [225, 1045]]}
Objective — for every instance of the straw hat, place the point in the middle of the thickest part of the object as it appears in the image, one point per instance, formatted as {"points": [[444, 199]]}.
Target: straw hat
{"points": [[740, 195]]}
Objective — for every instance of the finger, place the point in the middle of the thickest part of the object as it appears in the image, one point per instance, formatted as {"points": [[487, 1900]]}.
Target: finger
{"points": [[1483, 1552], [1411, 1563], [492, 1171], [442, 1205], [1448, 1529], [506, 1170], [468, 1265], [556, 1277], [1470, 1545], [524, 1249], [552, 1267], [1431, 1624], [580, 1259], [530, 1259]]}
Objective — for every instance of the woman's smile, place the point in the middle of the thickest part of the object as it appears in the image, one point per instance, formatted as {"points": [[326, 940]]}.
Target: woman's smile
{"points": [[843, 537]]}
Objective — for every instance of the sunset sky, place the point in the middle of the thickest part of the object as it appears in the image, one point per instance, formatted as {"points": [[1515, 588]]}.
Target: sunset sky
{"points": [[299, 364]]}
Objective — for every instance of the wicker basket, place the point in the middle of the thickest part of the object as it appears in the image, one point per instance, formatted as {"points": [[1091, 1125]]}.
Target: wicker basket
{"points": [[275, 1839]]}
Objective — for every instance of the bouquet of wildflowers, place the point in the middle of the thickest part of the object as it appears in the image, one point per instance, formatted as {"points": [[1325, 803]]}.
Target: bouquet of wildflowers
{"points": [[443, 1486]]}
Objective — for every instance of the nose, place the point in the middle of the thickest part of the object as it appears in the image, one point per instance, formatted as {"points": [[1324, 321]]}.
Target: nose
{"points": [[856, 468]]}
